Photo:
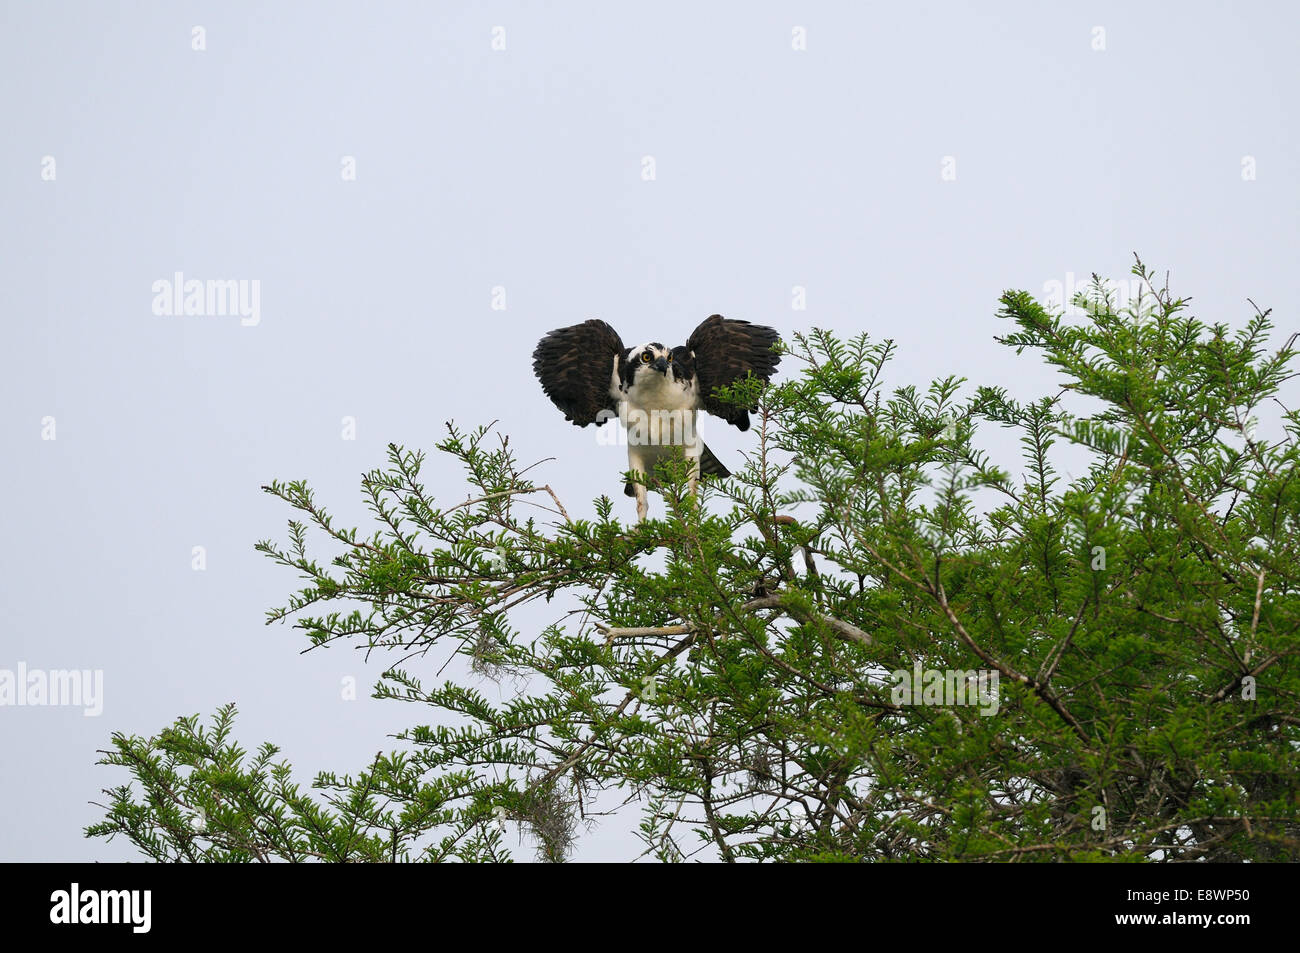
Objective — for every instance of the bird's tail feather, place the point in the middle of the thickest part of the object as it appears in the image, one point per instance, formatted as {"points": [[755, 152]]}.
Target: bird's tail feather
{"points": [[711, 465]]}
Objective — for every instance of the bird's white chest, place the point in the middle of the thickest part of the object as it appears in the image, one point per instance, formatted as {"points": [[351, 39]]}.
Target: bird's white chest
{"points": [[654, 391], [660, 412]]}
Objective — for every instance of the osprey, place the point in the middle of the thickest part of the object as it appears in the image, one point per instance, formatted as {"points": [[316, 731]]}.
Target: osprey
{"points": [[655, 391]]}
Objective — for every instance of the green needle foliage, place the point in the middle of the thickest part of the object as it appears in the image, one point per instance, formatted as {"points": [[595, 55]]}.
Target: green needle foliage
{"points": [[726, 671]]}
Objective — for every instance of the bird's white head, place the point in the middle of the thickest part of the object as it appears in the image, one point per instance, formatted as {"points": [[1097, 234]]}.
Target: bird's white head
{"points": [[651, 358]]}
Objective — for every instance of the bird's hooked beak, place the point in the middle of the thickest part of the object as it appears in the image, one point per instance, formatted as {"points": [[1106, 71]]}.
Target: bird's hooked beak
{"points": [[661, 365]]}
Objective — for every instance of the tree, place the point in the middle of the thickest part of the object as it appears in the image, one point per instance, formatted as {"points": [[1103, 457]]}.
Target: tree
{"points": [[1100, 668]]}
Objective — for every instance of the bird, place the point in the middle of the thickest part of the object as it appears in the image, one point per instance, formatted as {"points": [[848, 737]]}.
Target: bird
{"points": [[655, 391]]}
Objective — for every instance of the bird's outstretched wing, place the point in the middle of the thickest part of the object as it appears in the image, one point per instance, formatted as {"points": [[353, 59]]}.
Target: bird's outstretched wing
{"points": [[725, 351], [578, 368]]}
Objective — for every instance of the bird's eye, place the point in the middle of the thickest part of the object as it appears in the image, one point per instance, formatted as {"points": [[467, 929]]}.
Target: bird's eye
{"points": [[645, 357], [670, 358]]}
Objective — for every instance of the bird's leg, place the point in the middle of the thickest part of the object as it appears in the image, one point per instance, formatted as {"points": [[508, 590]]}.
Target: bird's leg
{"points": [[639, 467]]}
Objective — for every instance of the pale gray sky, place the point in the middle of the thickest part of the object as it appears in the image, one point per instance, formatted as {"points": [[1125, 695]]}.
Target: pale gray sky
{"points": [[520, 168]]}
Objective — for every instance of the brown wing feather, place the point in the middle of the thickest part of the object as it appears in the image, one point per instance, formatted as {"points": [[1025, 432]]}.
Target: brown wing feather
{"points": [[726, 351], [575, 365]]}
